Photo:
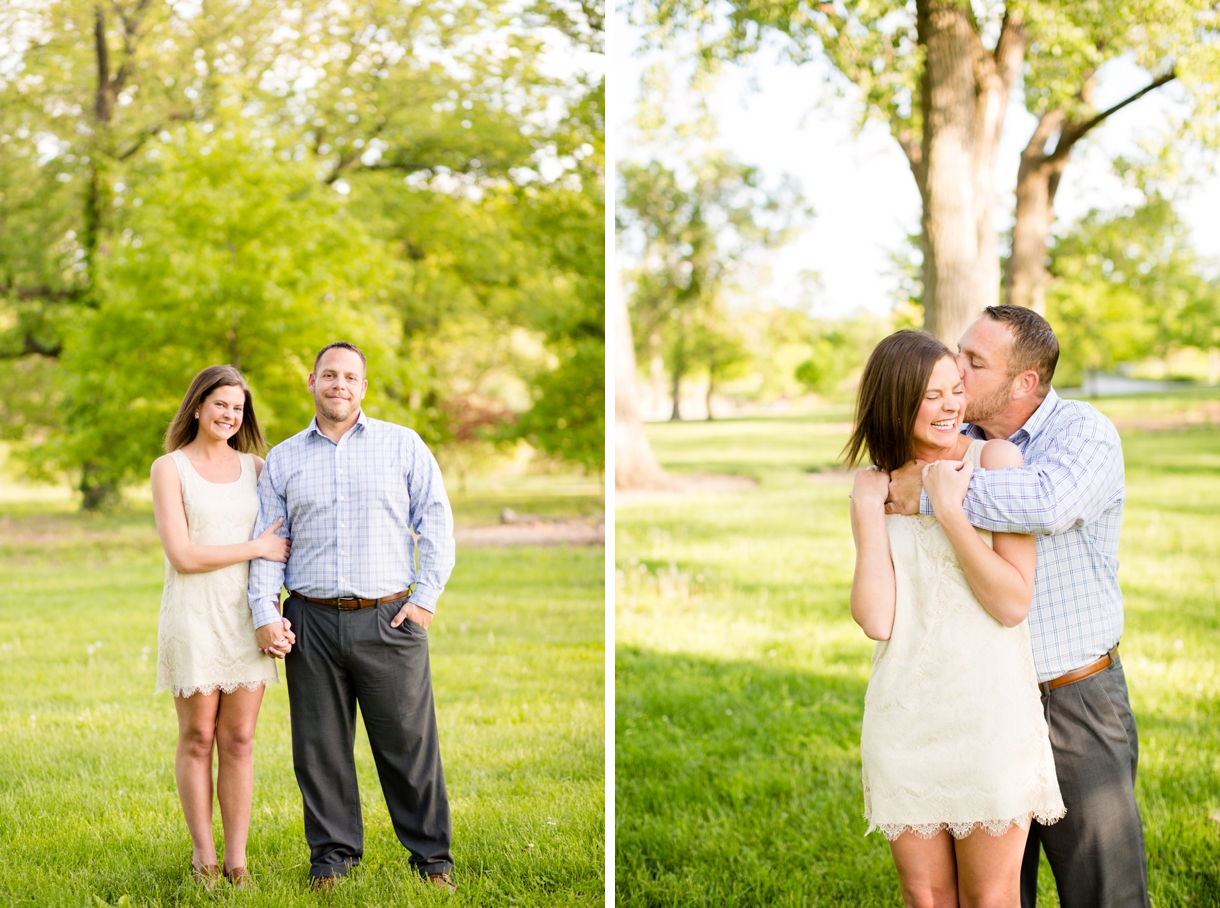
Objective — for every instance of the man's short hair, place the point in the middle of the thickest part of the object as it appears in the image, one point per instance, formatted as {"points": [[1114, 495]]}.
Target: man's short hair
{"points": [[1034, 345], [340, 345]]}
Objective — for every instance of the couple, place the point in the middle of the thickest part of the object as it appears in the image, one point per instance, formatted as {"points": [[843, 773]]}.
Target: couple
{"points": [[349, 492], [966, 772]]}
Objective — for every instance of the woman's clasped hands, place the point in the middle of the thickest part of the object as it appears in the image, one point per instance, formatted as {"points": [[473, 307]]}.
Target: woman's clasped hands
{"points": [[946, 482]]}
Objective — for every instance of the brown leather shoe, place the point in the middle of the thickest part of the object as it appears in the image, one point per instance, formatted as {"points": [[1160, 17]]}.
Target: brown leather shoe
{"points": [[442, 881], [322, 883], [207, 875], [239, 877]]}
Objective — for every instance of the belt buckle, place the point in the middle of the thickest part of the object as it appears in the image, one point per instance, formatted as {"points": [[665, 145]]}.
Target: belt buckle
{"points": [[339, 600]]}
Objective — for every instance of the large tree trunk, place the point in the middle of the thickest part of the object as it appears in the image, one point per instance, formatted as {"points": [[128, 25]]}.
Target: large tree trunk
{"points": [[635, 466], [1038, 179], [963, 97]]}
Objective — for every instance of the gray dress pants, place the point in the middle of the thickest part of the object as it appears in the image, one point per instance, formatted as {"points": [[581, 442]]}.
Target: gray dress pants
{"points": [[1097, 850], [345, 657]]}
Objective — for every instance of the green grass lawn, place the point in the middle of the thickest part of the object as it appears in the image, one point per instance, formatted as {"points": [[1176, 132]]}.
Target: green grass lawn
{"points": [[741, 676], [89, 813]]}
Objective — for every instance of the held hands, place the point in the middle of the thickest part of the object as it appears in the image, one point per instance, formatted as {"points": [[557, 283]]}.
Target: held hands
{"points": [[420, 616], [275, 639], [870, 488], [272, 547], [947, 482]]}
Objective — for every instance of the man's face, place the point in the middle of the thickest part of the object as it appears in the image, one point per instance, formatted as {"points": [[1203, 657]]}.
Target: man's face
{"points": [[338, 385], [983, 361]]}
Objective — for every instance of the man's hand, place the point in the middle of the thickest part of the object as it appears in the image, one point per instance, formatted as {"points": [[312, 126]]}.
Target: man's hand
{"points": [[275, 639], [906, 484], [420, 616]]}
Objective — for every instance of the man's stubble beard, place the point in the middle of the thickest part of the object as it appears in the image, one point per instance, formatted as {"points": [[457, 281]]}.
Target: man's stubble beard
{"points": [[984, 408], [326, 406]]}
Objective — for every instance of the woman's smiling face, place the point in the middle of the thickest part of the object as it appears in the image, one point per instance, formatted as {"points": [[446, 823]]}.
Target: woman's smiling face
{"points": [[220, 414], [944, 403]]}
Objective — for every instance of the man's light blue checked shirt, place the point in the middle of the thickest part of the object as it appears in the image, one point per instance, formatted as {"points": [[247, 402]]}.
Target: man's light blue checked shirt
{"points": [[349, 509], [1070, 495]]}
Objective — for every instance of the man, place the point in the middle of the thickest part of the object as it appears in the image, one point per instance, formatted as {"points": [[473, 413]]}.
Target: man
{"points": [[1070, 495], [350, 490]]}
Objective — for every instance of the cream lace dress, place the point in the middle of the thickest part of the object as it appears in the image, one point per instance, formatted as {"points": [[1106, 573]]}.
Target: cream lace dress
{"points": [[206, 636], [953, 735]]}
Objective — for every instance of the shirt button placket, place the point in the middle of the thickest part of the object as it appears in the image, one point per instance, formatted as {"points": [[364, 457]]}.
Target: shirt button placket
{"points": [[339, 516]]}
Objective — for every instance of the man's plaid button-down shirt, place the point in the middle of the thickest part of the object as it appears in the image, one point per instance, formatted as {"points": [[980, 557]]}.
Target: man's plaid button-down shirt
{"points": [[1070, 495], [349, 509]]}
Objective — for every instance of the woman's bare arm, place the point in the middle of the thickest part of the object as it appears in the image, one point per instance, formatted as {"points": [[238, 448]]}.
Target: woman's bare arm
{"points": [[872, 586], [185, 556], [1001, 577]]}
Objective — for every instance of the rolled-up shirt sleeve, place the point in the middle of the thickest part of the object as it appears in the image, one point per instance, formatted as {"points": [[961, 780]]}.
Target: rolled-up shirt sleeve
{"points": [[267, 577], [432, 519]]}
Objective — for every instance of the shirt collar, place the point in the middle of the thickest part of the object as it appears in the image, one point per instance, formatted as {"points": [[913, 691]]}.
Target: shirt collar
{"points": [[1038, 419], [1036, 422], [361, 421]]}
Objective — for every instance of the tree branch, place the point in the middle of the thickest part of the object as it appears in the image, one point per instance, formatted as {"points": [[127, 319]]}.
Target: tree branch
{"points": [[101, 106], [131, 28], [1074, 133], [147, 134], [1010, 48], [42, 293], [1049, 123]]}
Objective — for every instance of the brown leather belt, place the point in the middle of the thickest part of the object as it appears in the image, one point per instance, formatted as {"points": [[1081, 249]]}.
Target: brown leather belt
{"points": [[350, 602], [1079, 674]]}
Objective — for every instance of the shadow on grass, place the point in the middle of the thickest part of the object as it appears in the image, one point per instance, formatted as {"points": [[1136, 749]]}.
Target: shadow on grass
{"points": [[739, 784]]}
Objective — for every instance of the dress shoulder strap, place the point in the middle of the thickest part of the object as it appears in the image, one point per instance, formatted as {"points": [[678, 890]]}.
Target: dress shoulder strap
{"points": [[974, 453], [182, 463]]}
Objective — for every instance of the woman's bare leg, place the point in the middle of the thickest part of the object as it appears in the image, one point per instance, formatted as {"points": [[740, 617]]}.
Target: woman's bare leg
{"points": [[989, 868], [235, 776], [193, 770], [927, 870]]}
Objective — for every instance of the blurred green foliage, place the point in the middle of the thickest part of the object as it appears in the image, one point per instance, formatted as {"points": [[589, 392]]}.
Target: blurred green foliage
{"points": [[245, 182], [695, 225], [1128, 286]]}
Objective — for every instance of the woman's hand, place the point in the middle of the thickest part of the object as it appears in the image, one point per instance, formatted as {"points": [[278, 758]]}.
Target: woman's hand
{"points": [[272, 547], [946, 482], [276, 639], [871, 488]]}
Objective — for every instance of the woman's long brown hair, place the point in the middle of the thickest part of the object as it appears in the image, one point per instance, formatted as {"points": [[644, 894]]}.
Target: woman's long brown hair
{"points": [[182, 431], [891, 389]]}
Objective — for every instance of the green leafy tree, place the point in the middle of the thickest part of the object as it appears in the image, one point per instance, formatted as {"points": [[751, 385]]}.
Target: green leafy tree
{"points": [[434, 131], [838, 348], [1127, 286], [939, 74], [227, 256], [696, 226]]}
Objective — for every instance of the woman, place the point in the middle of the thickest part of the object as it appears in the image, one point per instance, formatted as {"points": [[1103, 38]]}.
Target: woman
{"points": [[954, 747], [205, 502]]}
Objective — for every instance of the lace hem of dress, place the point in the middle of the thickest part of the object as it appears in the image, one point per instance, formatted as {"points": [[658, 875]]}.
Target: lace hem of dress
{"points": [[960, 830], [226, 688]]}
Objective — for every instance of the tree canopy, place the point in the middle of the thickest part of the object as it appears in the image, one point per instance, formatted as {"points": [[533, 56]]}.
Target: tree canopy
{"points": [[939, 74], [242, 180]]}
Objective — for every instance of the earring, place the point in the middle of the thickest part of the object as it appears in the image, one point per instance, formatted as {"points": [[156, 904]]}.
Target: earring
{"points": [[196, 415]]}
